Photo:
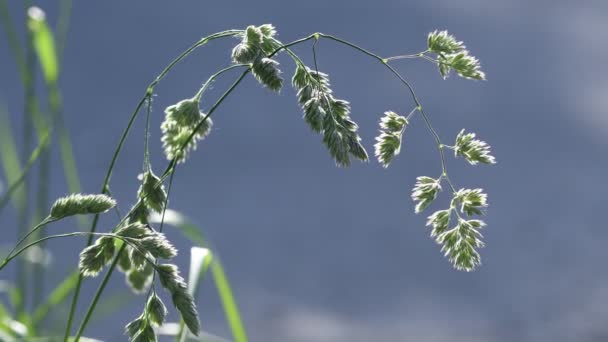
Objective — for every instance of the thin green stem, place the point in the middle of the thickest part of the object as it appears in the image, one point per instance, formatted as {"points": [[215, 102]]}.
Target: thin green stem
{"points": [[146, 167], [212, 78], [412, 56], [106, 182], [38, 226], [51, 237]]}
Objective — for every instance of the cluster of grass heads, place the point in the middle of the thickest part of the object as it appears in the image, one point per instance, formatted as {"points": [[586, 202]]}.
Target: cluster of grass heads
{"points": [[137, 245]]}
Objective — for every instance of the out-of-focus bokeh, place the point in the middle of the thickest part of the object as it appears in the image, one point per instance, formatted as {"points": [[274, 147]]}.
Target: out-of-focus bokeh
{"points": [[319, 253]]}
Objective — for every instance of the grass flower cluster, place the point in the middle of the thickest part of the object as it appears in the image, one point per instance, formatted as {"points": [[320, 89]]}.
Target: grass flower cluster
{"points": [[136, 246]]}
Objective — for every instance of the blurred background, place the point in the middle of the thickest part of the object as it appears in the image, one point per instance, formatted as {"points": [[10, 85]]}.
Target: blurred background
{"points": [[326, 254]]}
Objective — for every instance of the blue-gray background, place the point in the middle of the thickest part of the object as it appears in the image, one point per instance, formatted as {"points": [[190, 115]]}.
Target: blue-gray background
{"points": [[318, 253]]}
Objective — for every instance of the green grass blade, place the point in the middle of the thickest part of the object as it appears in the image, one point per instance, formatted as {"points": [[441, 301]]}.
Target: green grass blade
{"points": [[44, 44], [230, 308], [56, 297], [194, 234], [9, 156], [200, 259], [6, 196]]}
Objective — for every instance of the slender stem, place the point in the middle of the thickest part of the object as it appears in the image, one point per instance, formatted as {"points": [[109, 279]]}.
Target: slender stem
{"points": [[206, 85], [288, 45], [416, 55], [106, 182], [51, 237], [146, 167], [38, 226]]}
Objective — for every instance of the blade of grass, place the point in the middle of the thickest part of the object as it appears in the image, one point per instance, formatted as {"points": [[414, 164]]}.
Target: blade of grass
{"points": [[6, 196], [200, 259], [194, 234], [9, 156], [42, 43], [56, 297], [12, 171], [47, 52]]}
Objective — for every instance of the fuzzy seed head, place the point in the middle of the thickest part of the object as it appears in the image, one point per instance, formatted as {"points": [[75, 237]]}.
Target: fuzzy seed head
{"points": [[472, 201], [425, 191], [267, 72], [184, 303], [94, 257], [156, 310], [441, 42], [171, 280], [158, 246], [474, 151], [77, 204], [152, 192], [183, 126], [388, 143], [139, 280]]}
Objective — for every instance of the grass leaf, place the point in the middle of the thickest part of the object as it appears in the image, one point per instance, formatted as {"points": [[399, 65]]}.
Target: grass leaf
{"points": [[44, 44]]}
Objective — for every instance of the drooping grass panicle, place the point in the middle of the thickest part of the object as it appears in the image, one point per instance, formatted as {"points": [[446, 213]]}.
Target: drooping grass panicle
{"points": [[473, 150], [79, 204], [327, 115], [257, 43], [185, 125]]}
